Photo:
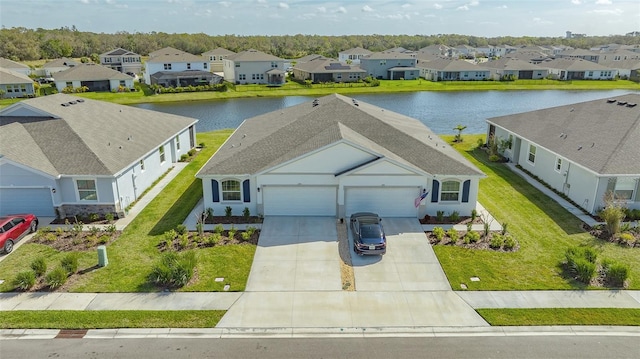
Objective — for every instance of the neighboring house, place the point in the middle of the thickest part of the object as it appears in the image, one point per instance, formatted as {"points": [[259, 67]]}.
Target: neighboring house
{"points": [[623, 68], [534, 57], [15, 66], [578, 69], [607, 58], [579, 54], [335, 156], [122, 60], [96, 77], [390, 65], [185, 78], [402, 50], [57, 65], [518, 69], [353, 55], [170, 60], [308, 58], [465, 50], [15, 84], [435, 50], [327, 70], [582, 150], [254, 67], [63, 155], [215, 58], [452, 70]]}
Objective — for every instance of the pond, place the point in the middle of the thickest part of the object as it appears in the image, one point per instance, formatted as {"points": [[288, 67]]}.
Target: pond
{"points": [[440, 111]]}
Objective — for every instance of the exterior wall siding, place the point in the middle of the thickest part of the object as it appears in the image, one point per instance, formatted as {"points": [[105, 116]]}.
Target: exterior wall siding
{"points": [[378, 68], [233, 73]]}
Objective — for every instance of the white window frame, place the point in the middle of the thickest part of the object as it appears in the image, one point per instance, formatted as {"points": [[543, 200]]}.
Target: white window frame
{"points": [[447, 191], [558, 165], [230, 191], [163, 155], [89, 190], [167, 66], [532, 153], [625, 185], [178, 143]]}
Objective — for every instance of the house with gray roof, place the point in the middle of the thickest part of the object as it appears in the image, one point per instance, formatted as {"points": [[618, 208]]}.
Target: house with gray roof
{"points": [[587, 55], [254, 67], [335, 156], [327, 70], [121, 60], [353, 55], [172, 60], [507, 67], [15, 66], [57, 65], [452, 70], [582, 150], [391, 65], [63, 155], [15, 84], [96, 78], [578, 69], [215, 58]]}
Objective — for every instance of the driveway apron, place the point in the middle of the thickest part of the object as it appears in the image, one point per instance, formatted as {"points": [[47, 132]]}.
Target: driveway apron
{"points": [[296, 254]]}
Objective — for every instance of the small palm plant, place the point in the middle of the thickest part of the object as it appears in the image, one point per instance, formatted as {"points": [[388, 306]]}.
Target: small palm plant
{"points": [[459, 128]]}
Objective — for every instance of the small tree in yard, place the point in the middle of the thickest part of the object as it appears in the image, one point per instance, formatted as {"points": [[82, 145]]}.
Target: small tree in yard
{"points": [[458, 137], [612, 214]]}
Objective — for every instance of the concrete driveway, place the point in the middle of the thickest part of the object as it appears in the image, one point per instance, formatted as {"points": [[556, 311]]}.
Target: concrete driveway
{"points": [[296, 254], [409, 264]]}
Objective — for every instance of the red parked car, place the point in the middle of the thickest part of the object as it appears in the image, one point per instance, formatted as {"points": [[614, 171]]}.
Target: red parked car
{"points": [[14, 227]]}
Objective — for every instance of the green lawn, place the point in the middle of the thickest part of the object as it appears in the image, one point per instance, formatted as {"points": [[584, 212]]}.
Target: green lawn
{"points": [[561, 316], [134, 253], [73, 319], [542, 227], [386, 86]]}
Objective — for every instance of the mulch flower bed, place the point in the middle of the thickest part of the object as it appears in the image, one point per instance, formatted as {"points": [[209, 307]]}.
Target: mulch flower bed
{"points": [[629, 238], [447, 220], [232, 220], [192, 240], [71, 240], [500, 244]]}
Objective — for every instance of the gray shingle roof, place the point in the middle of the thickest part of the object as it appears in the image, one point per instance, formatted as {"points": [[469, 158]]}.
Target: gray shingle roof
{"points": [[387, 55], [324, 65], [253, 55], [356, 51], [267, 140], [171, 55], [574, 64], [511, 64], [90, 72], [86, 138], [61, 63], [119, 52], [8, 64], [218, 51], [8, 77], [603, 137]]}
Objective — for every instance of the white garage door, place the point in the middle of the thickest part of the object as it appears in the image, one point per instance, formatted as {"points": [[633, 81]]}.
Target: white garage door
{"points": [[26, 200], [299, 201], [385, 201]]}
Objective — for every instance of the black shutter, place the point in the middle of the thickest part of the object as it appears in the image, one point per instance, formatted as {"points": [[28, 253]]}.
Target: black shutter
{"points": [[215, 191], [435, 189], [465, 191], [246, 193]]}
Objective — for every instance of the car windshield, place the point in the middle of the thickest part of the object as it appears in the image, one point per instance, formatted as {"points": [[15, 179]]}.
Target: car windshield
{"points": [[371, 234]]}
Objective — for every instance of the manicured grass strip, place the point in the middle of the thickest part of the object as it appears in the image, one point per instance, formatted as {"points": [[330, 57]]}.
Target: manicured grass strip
{"points": [[105, 319], [561, 316]]}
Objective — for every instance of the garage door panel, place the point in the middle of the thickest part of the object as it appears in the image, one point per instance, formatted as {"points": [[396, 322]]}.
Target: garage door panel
{"points": [[300, 201], [26, 200], [385, 201]]}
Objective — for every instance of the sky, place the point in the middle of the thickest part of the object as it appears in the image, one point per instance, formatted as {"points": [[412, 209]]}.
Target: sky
{"points": [[483, 18]]}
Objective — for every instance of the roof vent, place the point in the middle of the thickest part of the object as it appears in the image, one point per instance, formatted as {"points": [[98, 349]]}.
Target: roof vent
{"points": [[72, 102], [80, 100], [611, 100], [631, 104], [64, 104], [622, 103]]}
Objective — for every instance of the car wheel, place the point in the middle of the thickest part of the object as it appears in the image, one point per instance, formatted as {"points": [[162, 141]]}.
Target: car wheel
{"points": [[33, 227], [8, 246]]}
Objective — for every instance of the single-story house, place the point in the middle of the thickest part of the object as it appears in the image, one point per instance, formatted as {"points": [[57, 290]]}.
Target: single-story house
{"points": [[15, 66], [327, 70], [185, 78], [61, 155], [578, 69], [582, 150], [516, 68], [122, 60], [335, 156], [56, 65], [15, 84], [97, 78], [452, 70]]}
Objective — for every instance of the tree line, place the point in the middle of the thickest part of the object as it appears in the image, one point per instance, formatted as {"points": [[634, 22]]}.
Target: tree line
{"points": [[24, 44]]}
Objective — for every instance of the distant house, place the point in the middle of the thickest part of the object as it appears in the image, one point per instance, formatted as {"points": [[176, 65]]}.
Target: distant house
{"points": [[465, 50], [254, 67], [578, 69], [582, 150], [452, 70], [327, 70], [579, 54], [170, 60], [390, 65], [57, 65], [215, 58], [623, 68], [122, 60], [14, 84], [353, 55], [63, 155], [308, 58], [335, 156], [15, 66], [609, 57], [96, 77], [436, 50], [511, 67]]}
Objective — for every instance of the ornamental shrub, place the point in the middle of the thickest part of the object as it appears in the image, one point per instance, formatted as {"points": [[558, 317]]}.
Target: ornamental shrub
{"points": [[452, 234], [24, 280], [39, 266], [438, 232], [174, 270], [616, 274], [69, 263], [471, 237], [496, 241], [56, 278]]}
